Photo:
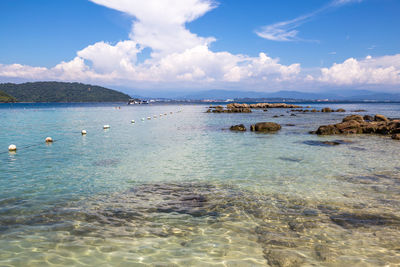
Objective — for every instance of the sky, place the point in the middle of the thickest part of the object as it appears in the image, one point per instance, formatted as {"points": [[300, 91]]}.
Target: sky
{"points": [[195, 45]]}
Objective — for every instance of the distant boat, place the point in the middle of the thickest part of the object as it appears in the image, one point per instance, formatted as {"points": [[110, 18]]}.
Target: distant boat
{"points": [[137, 102]]}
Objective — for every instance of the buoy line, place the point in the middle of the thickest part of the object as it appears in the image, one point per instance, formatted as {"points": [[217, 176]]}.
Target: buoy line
{"points": [[13, 148]]}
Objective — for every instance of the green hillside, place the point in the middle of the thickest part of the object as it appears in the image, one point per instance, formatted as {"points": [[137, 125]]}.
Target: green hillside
{"points": [[61, 92], [5, 98]]}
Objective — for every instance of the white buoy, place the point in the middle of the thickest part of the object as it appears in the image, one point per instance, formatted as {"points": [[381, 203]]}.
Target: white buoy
{"points": [[142, 119], [132, 121], [49, 140], [106, 126], [12, 148], [83, 132]]}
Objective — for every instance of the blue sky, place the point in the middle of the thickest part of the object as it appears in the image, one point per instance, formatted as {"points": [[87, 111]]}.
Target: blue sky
{"points": [[200, 44]]}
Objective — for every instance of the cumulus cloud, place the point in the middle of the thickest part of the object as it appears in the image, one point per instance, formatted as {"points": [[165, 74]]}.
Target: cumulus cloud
{"points": [[178, 55], [371, 71], [160, 24], [119, 57]]}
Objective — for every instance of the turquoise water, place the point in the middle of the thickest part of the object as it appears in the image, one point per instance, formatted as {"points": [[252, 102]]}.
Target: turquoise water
{"points": [[182, 190]]}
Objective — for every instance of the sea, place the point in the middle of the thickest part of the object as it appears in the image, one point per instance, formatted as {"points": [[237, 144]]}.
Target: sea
{"points": [[178, 188]]}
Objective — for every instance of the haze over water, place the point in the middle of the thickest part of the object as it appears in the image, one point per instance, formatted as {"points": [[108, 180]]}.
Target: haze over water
{"points": [[182, 190]]}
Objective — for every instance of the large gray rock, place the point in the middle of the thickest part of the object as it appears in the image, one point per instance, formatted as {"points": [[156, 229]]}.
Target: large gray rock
{"points": [[265, 127]]}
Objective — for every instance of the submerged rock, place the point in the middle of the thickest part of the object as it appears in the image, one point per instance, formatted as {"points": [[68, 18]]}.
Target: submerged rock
{"points": [[283, 258], [355, 220], [106, 162], [323, 253], [265, 127], [325, 143], [290, 159]]}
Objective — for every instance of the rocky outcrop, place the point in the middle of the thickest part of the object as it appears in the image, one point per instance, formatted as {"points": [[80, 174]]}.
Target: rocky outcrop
{"points": [[239, 127], [246, 108], [355, 124], [265, 127], [325, 110], [262, 105], [229, 109]]}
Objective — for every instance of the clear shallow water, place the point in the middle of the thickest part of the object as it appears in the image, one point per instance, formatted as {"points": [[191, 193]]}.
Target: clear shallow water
{"points": [[180, 190]]}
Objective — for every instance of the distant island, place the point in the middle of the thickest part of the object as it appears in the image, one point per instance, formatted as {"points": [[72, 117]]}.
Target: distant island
{"points": [[58, 92], [6, 98]]}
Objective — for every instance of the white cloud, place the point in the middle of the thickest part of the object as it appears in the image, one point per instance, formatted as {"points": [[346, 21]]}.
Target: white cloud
{"points": [[368, 71], [18, 70], [287, 30], [344, 2], [178, 55], [107, 58], [160, 24], [181, 59]]}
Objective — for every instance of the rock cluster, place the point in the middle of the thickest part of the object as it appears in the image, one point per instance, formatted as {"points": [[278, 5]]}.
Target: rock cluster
{"points": [[262, 105], [229, 109], [265, 127], [356, 124], [246, 108], [326, 110]]}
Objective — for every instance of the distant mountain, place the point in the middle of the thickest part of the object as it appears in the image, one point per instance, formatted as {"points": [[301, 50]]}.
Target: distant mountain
{"points": [[61, 92], [6, 98], [345, 95]]}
